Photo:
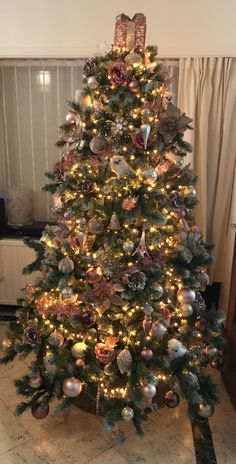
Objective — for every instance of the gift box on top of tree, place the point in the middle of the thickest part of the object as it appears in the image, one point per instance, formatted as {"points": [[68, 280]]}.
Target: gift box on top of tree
{"points": [[116, 321]]}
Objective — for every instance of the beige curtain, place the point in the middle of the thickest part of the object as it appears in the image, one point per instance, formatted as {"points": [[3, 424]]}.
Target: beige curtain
{"points": [[207, 93]]}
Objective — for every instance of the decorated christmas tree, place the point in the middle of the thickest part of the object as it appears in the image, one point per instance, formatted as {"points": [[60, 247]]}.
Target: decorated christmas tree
{"points": [[115, 322]]}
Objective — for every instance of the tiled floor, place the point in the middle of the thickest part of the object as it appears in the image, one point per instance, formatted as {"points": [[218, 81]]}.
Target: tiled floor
{"points": [[168, 436]]}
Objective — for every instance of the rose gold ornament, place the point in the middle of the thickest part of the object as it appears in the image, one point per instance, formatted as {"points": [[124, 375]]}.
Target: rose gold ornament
{"points": [[40, 410], [94, 275]]}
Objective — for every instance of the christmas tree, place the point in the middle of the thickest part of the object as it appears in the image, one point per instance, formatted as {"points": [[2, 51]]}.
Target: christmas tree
{"points": [[116, 319]]}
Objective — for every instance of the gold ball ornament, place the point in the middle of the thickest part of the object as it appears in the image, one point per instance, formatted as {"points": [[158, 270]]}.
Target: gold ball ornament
{"points": [[78, 349], [186, 295], [127, 413], [133, 59], [72, 387], [206, 409], [186, 310], [94, 275], [35, 381], [149, 176], [6, 343], [92, 83]]}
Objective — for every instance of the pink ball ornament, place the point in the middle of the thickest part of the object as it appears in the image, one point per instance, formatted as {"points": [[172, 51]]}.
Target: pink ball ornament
{"points": [[146, 354]]}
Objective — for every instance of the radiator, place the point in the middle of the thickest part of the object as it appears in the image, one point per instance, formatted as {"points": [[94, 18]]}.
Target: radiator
{"points": [[14, 255]]}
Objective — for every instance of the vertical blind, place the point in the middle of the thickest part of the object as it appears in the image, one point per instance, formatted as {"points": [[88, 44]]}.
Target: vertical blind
{"points": [[33, 103]]}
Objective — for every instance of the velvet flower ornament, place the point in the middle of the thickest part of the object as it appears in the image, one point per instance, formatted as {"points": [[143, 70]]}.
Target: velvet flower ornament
{"points": [[171, 122], [118, 74]]}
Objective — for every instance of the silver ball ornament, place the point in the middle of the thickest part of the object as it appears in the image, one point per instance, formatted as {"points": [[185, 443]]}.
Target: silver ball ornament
{"points": [[128, 246], [95, 226], [67, 292], [49, 363], [72, 387], [186, 295], [186, 310], [204, 279], [35, 381], [56, 339], [78, 350], [206, 409], [66, 265], [157, 287], [97, 144], [149, 391], [149, 176], [127, 413]]}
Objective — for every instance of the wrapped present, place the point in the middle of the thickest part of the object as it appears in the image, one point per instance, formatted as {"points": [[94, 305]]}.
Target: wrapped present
{"points": [[130, 33]]}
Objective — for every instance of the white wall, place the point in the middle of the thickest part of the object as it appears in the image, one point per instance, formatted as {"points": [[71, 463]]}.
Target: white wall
{"points": [[76, 27]]}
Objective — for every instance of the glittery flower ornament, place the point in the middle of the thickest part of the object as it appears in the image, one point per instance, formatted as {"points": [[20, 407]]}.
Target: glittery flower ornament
{"points": [[89, 68], [105, 352], [31, 335], [134, 279], [118, 74], [85, 186], [171, 122]]}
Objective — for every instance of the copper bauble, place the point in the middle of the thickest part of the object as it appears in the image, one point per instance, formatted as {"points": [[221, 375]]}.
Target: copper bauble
{"points": [[134, 86], [94, 275], [201, 325], [40, 410], [80, 363], [72, 387], [217, 362], [172, 399]]}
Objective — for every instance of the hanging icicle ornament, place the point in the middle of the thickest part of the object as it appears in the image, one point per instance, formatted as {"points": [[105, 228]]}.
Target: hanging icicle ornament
{"points": [[114, 222], [142, 249], [145, 130], [82, 241], [124, 360]]}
